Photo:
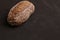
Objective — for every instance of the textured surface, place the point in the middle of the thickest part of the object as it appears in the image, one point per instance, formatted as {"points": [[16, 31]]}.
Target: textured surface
{"points": [[44, 24]]}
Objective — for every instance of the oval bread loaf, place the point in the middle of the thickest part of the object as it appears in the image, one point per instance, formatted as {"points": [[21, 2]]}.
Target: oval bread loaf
{"points": [[20, 13]]}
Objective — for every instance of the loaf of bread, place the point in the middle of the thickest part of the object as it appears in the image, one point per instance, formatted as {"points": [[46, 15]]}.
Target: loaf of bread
{"points": [[20, 13]]}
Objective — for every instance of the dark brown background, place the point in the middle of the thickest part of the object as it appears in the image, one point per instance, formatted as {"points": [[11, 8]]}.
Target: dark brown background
{"points": [[44, 24]]}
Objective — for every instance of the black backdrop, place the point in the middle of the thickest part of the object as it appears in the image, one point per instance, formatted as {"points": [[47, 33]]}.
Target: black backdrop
{"points": [[44, 24]]}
